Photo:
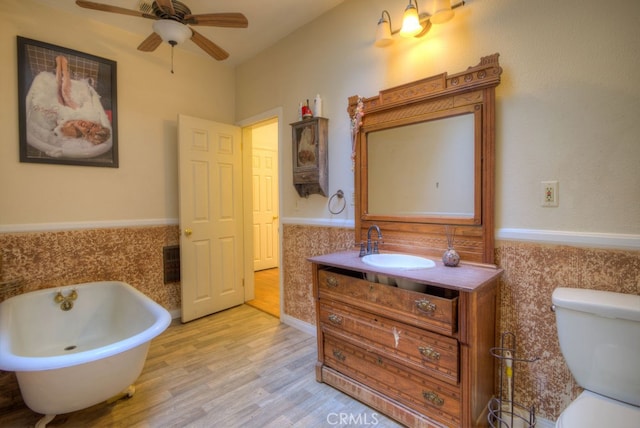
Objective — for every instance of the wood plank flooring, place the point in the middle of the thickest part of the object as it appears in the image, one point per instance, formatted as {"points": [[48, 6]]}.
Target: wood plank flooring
{"points": [[237, 368], [267, 291]]}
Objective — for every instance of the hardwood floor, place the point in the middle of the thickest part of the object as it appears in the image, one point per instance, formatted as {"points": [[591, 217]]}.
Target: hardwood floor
{"points": [[267, 291], [237, 368]]}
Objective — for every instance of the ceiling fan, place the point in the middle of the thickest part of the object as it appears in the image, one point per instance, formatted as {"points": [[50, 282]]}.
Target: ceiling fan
{"points": [[173, 21]]}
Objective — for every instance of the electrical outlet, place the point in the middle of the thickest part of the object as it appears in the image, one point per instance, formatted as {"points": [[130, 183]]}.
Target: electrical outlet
{"points": [[549, 193]]}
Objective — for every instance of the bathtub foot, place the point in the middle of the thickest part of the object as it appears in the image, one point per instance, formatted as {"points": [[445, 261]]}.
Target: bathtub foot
{"points": [[127, 393], [130, 391], [42, 423]]}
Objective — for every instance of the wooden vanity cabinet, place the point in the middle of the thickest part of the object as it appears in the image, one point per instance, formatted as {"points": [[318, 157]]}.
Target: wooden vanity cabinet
{"points": [[420, 358]]}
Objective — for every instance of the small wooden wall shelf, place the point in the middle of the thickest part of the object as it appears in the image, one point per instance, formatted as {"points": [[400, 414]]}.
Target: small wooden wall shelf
{"points": [[310, 163]]}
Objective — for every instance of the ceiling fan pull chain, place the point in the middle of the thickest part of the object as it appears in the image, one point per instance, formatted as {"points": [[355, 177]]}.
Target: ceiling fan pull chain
{"points": [[171, 59], [172, 46]]}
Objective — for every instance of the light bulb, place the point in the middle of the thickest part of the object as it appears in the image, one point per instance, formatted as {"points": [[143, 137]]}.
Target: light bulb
{"points": [[410, 22]]}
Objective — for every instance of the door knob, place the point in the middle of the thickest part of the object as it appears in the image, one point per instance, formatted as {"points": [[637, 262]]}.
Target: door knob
{"points": [[275, 217], [188, 232]]}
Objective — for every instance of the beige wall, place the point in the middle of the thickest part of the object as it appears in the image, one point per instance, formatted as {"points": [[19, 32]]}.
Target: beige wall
{"points": [[567, 106], [149, 99], [38, 260]]}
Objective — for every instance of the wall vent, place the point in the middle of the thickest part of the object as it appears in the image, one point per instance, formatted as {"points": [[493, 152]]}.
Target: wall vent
{"points": [[171, 263]]}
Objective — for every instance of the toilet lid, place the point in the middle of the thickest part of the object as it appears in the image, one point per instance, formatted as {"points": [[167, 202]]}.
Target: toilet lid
{"points": [[593, 410]]}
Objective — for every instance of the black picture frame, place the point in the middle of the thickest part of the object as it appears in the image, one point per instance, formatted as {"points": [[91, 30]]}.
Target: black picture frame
{"points": [[67, 102]]}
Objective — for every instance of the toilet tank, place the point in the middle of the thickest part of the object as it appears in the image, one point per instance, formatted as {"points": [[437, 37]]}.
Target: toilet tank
{"points": [[599, 333]]}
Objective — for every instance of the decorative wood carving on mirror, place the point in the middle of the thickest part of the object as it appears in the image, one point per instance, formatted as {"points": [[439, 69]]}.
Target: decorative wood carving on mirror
{"points": [[419, 227]]}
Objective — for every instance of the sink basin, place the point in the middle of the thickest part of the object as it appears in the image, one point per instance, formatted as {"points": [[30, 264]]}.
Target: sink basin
{"points": [[382, 279], [398, 261], [407, 284]]}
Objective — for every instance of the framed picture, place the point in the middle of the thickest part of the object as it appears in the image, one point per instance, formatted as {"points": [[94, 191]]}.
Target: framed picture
{"points": [[67, 106]]}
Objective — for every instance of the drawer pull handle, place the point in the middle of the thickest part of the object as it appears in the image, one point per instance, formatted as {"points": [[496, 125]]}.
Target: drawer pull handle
{"points": [[332, 281], [429, 352], [432, 397], [339, 355], [426, 306], [335, 319]]}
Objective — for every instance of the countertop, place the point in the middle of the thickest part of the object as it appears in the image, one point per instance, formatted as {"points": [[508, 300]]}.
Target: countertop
{"points": [[467, 277]]}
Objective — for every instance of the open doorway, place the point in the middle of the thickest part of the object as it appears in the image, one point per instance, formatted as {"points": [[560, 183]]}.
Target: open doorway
{"points": [[265, 202]]}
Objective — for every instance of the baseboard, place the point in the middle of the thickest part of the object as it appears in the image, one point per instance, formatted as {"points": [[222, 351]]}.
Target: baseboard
{"points": [[303, 326], [544, 423]]}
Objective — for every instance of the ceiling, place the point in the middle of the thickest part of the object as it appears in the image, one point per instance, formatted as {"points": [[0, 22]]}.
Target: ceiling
{"points": [[269, 21]]}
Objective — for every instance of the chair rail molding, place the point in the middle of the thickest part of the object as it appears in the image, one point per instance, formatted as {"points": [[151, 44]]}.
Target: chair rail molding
{"points": [[562, 237], [81, 225]]}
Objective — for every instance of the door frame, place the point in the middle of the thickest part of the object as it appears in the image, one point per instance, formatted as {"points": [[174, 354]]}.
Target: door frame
{"points": [[247, 196]]}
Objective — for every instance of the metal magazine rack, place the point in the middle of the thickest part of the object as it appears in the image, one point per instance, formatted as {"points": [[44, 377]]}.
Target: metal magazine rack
{"points": [[504, 411]]}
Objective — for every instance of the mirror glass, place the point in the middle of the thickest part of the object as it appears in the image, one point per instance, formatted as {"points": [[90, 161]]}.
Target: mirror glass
{"points": [[423, 169]]}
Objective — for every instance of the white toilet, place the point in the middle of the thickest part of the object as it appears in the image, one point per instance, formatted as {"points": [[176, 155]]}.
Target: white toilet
{"points": [[599, 334]]}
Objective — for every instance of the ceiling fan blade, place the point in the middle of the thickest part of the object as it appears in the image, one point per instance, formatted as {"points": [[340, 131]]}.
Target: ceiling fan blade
{"points": [[115, 9], [150, 43], [208, 46], [167, 6], [232, 20]]}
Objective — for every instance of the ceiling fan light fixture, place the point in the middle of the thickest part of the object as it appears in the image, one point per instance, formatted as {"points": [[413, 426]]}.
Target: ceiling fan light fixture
{"points": [[172, 32], [170, 23]]}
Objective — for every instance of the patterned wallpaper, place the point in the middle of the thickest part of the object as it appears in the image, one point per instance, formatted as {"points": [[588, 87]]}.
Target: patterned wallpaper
{"points": [[52, 259], [532, 272], [299, 243]]}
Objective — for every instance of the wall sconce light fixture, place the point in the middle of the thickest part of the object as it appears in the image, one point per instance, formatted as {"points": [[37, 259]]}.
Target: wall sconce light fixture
{"points": [[414, 23], [383, 31]]}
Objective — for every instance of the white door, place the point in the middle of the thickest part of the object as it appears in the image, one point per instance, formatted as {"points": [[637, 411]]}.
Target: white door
{"points": [[210, 181], [265, 209]]}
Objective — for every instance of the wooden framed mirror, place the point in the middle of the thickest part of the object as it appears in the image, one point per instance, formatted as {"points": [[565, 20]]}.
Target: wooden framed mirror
{"points": [[424, 161]]}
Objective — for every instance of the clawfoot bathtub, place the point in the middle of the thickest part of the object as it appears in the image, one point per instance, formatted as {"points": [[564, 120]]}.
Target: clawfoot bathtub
{"points": [[76, 346]]}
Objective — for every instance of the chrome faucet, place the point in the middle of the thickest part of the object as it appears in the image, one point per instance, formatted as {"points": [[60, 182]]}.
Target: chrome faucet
{"points": [[370, 249]]}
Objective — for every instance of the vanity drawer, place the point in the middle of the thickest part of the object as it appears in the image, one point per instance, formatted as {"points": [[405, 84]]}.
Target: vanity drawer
{"points": [[425, 395], [425, 351], [419, 309]]}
